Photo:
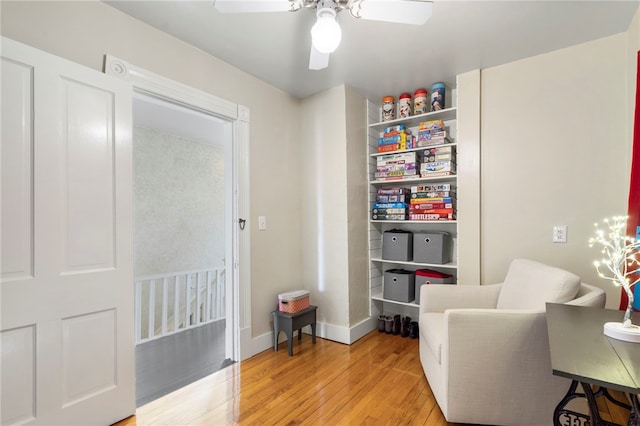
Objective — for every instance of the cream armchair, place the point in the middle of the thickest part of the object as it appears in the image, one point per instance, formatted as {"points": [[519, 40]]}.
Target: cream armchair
{"points": [[485, 350]]}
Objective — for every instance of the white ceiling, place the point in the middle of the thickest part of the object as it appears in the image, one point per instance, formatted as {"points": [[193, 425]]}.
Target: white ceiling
{"points": [[378, 58], [166, 117]]}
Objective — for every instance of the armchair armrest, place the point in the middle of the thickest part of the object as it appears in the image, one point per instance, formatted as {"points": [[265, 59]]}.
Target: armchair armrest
{"points": [[440, 297], [589, 295]]}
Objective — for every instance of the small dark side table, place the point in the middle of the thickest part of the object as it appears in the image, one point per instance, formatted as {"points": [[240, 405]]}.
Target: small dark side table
{"points": [[286, 322], [581, 352]]}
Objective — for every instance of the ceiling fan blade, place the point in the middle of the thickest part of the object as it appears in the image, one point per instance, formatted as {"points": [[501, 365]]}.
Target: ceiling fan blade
{"points": [[317, 59], [251, 6], [415, 12]]}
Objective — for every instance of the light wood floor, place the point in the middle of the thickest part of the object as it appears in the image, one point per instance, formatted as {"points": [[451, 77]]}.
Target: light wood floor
{"points": [[377, 381]]}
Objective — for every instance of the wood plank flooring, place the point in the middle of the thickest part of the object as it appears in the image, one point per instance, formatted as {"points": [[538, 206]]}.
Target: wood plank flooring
{"points": [[173, 361], [376, 381]]}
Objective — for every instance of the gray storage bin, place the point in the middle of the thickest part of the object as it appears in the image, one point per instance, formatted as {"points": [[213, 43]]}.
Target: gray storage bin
{"points": [[399, 285], [426, 277], [432, 247], [397, 245]]}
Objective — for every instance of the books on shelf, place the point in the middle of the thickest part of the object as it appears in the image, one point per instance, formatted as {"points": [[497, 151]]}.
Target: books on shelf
{"points": [[400, 138], [395, 138], [431, 162], [419, 202], [432, 216]]}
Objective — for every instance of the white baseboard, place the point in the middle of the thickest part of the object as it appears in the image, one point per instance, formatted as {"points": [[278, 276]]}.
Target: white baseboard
{"points": [[363, 328], [250, 346]]}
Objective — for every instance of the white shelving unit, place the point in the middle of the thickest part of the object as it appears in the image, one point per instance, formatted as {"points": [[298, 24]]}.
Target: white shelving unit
{"points": [[377, 265]]}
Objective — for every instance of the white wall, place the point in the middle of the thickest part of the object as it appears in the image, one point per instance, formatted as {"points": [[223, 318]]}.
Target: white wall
{"points": [[85, 31], [357, 208], [555, 151], [334, 209], [323, 195], [468, 181], [178, 203]]}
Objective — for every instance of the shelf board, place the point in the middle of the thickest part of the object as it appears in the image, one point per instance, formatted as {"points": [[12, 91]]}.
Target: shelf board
{"points": [[450, 265], [377, 154], [424, 179], [378, 296], [444, 115]]}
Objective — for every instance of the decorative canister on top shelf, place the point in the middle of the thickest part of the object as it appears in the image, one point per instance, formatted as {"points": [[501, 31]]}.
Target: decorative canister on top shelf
{"points": [[437, 97], [404, 105], [388, 108], [420, 102]]}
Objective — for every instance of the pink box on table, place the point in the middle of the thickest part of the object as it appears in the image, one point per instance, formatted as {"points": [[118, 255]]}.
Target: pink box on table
{"points": [[293, 301]]}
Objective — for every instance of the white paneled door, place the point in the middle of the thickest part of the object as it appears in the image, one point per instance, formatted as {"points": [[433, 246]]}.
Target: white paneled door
{"points": [[66, 331]]}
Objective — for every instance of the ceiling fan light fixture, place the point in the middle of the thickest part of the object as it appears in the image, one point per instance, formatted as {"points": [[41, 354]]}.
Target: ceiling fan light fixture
{"points": [[326, 33]]}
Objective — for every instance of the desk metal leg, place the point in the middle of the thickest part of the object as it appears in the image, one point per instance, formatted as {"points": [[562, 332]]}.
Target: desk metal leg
{"points": [[562, 413], [634, 417], [563, 416], [596, 420], [605, 392]]}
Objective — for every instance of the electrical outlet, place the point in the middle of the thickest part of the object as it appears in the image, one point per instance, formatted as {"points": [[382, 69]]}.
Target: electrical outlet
{"points": [[560, 234]]}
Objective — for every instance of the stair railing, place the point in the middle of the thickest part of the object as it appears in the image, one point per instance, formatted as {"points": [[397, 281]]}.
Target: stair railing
{"points": [[174, 302]]}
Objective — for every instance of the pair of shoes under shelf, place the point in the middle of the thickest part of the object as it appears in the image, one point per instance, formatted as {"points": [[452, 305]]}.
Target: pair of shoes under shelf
{"points": [[388, 324], [405, 328], [381, 323], [397, 324], [413, 330]]}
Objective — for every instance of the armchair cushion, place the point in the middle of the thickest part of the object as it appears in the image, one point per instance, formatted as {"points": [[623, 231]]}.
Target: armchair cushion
{"points": [[529, 285]]}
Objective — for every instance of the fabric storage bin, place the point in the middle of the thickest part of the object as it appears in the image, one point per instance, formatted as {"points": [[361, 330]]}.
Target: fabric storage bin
{"points": [[397, 244], [427, 276], [399, 285], [293, 301], [432, 247]]}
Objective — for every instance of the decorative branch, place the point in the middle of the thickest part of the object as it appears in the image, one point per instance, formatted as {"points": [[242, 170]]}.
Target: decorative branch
{"points": [[619, 257]]}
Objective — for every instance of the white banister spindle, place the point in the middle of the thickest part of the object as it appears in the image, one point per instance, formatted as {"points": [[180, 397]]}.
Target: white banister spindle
{"points": [[165, 304], [176, 303], [208, 311], [198, 298], [187, 302], [214, 297], [152, 311], [138, 311], [219, 288]]}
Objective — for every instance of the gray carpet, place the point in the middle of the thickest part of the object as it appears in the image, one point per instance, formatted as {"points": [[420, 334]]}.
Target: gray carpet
{"points": [[171, 362]]}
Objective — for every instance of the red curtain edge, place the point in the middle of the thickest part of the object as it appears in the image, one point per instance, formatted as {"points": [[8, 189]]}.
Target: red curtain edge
{"points": [[634, 185]]}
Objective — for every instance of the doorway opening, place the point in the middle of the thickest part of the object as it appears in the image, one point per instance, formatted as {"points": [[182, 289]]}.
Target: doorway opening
{"points": [[183, 236]]}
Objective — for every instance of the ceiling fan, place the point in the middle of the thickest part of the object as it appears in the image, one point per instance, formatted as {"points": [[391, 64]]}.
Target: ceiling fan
{"points": [[326, 33]]}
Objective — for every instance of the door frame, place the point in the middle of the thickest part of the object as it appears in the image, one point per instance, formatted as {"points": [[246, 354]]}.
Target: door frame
{"points": [[149, 83]]}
